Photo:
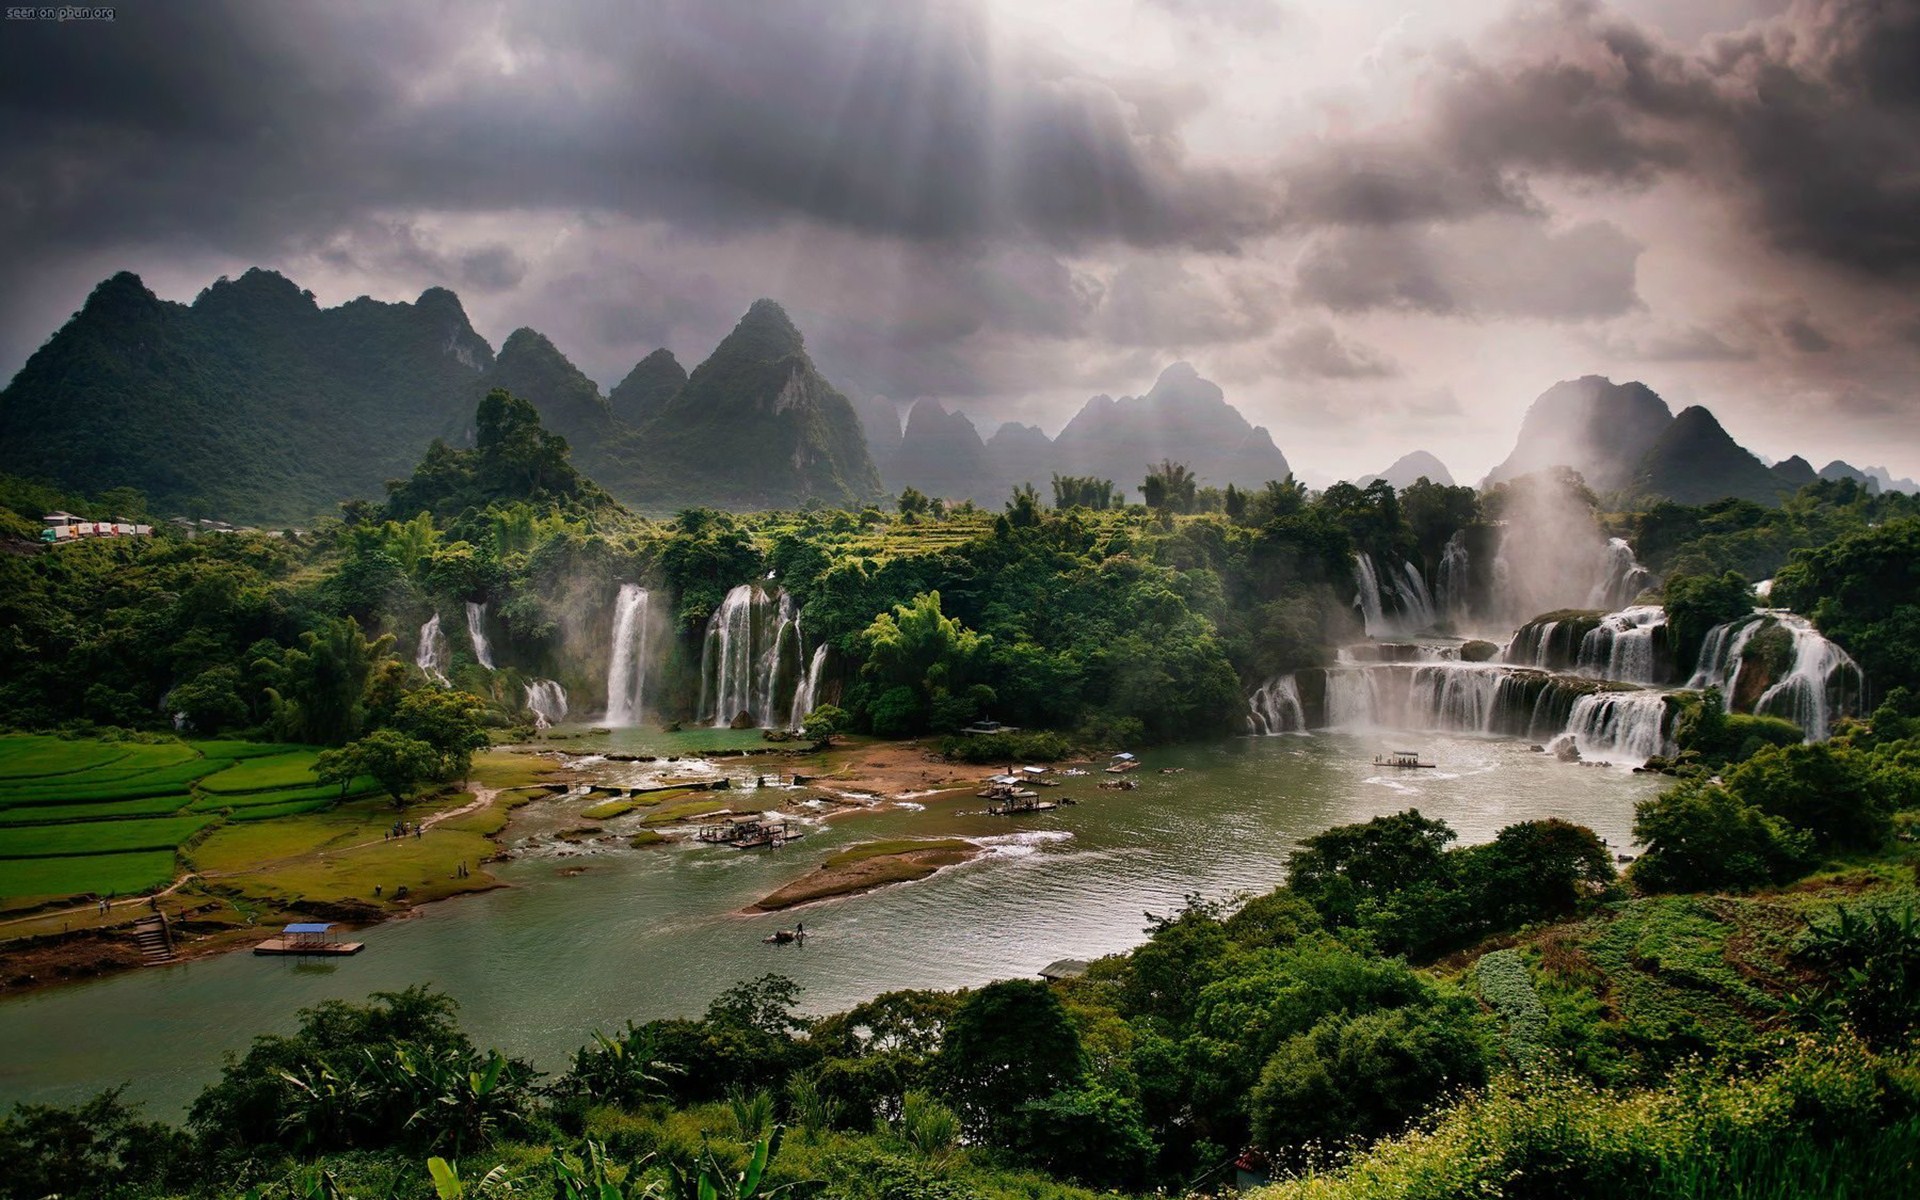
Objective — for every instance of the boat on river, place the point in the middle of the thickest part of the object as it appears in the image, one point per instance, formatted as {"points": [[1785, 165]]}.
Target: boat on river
{"points": [[1401, 758], [1123, 763]]}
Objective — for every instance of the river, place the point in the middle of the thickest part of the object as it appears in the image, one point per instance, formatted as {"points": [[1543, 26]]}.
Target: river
{"points": [[585, 941]]}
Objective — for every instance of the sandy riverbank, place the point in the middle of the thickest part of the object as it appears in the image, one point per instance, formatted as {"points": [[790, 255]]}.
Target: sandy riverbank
{"points": [[867, 866]]}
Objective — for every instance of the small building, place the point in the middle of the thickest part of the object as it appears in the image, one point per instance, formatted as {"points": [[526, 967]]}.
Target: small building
{"points": [[308, 937], [1063, 968]]}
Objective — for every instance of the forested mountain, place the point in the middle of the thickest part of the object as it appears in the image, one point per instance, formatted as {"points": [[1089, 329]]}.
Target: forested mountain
{"points": [[252, 403], [255, 404]]}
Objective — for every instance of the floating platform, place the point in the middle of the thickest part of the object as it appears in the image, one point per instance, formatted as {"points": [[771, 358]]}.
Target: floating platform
{"points": [[283, 945]]}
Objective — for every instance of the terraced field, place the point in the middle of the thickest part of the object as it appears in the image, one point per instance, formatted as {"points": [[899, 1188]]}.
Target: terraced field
{"points": [[107, 818]]}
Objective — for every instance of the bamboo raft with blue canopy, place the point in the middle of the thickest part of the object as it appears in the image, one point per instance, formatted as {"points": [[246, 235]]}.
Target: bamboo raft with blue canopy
{"points": [[1401, 758]]}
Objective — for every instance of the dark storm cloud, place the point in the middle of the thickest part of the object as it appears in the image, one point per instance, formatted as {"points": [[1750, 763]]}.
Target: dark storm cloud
{"points": [[1500, 266], [246, 119]]}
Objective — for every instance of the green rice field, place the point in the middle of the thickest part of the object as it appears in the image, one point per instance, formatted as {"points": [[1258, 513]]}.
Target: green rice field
{"points": [[102, 818]]}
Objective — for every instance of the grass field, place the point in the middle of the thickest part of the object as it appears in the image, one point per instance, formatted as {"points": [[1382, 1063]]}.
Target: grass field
{"points": [[89, 817]]}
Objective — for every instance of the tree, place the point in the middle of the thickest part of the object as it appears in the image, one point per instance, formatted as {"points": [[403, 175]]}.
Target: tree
{"points": [[1366, 1076], [930, 657], [319, 690], [398, 763], [447, 721], [1023, 510], [1008, 1043], [823, 722], [1700, 836], [1083, 491], [913, 503], [1696, 603], [1831, 792], [1536, 871], [210, 701], [1170, 487]]}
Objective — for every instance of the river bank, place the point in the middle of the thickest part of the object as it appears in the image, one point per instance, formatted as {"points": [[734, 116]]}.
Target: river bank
{"points": [[241, 884]]}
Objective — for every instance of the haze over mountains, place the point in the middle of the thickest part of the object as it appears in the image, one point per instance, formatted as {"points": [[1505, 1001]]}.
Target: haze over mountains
{"points": [[254, 403]]}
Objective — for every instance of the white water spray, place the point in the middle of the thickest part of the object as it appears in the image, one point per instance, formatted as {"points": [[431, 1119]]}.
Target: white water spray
{"points": [[431, 655], [627, 663], [477, 631]]}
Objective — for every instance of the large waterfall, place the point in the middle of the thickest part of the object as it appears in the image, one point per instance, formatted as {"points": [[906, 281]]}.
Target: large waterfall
{"points": [[1822, 683], [477, 631], [806, 697], [1394, 603], [1622, 647], [751, 658], [627, 659], [547, 700], [431, 655]]}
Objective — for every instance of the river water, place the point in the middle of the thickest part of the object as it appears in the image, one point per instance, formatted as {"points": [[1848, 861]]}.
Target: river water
{"points": [[586, 938]]}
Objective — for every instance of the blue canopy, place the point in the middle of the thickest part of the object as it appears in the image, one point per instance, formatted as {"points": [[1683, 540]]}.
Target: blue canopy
{"points": [[310, 927]]}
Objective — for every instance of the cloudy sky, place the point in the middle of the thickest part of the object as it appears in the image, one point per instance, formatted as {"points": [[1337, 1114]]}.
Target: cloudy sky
{"points": [[1380, 225]]}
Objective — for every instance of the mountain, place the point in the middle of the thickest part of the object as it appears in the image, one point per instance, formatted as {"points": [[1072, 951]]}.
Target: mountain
{"points": [[1794, 473], [1410, 468], [570, 404], [880, 421], [253, 403], [756, 426], [1889, 484], [1018, 454], [1695, 461], [1837, 470], [941, 454], [654, 381], [1599, 428], [1184, 418]]}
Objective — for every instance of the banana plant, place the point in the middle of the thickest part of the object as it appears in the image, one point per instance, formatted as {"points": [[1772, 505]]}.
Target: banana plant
{"points": [[447, 1184], [708, 1179]]}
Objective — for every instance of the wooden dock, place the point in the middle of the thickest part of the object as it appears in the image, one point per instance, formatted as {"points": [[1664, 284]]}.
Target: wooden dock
{"points": [[286, 945]]}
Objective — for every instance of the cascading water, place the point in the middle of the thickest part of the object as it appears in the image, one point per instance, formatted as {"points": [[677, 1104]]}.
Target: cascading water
{"points": [[1412, 604], [750, 658], [627, 662], [477, 631], [1621, 577], [431, 655], [1622, 646], [547, 700], [1619, 727], [1823, 683], [1275, 707], [1452, 591], [807, 696]]}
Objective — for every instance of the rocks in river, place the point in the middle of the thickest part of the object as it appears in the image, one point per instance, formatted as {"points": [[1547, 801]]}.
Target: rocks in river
{"points": [[742, 720]]}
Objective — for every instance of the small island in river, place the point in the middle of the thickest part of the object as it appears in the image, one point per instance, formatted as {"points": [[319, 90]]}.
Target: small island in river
{"points": [[867, 866]]}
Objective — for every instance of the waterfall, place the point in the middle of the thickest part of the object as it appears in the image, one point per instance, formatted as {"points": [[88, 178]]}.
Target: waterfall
{"points": [[1623, 726], [1369, 597], [1532, 646], [1621, 647], [547, 700], [1452, 593], [1413, 605], [431, 656], [750, 658], [1275, 707], [1621, 577], [1823, 683], [627, 662], [1619, 727], [477, 630], [807, 696]]}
